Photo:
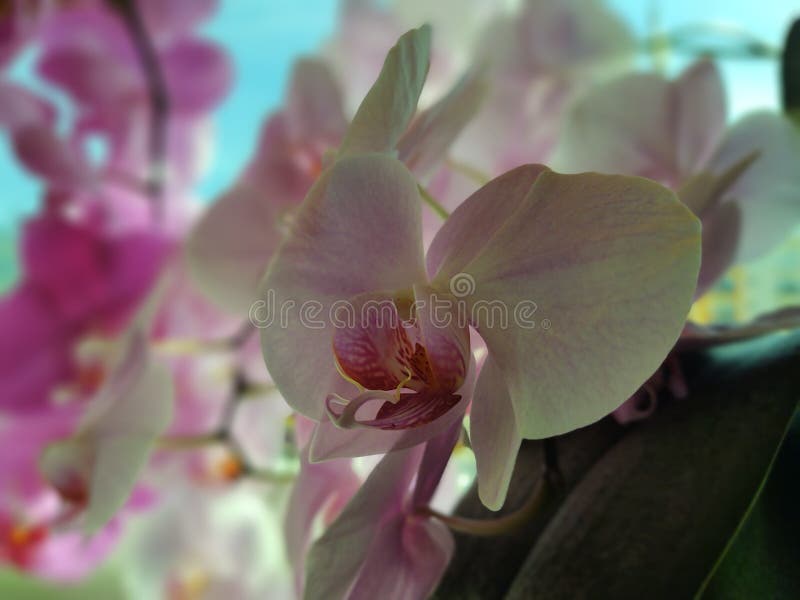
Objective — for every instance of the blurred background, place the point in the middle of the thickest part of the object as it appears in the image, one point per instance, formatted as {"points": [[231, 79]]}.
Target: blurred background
{"points": [[263, 38]]}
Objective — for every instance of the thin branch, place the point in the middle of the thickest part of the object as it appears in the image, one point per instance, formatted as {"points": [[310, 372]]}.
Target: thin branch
{"points": [[159, 99]]}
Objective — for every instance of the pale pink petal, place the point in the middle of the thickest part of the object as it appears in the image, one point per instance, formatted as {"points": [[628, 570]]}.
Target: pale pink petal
{"points": [[116, 435], [314, 108], [391, 103], [337, 557], [625, 126], [767, 192], [317, 486], [699, 98], [432, 132], [493, 436], [434, 461], [405, 561], [487, 210], [722, 228], [596, 274], [229, 249], [358, 231]]}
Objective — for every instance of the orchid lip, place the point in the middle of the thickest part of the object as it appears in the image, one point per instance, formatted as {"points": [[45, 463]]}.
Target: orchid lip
{"points": [[406, 411]]}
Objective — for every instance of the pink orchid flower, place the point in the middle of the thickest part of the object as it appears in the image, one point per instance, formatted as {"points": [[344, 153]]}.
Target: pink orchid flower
{"points": [[740, 180], [97, 466], [540, 57], [239, 234], [610, 261], [381, 546]]}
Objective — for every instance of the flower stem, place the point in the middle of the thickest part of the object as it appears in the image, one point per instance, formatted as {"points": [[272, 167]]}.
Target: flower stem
{"points": [[501, 525], [191, 442], [433, 203], [468, 171]]}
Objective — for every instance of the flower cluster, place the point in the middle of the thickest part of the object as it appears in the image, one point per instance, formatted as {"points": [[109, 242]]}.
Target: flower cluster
{"points": [[421, 177]]}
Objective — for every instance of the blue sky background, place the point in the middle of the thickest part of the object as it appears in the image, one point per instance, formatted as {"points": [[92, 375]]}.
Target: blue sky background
{"points": [[264, 36]]}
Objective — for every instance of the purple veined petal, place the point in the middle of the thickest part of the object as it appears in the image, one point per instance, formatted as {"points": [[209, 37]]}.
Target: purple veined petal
{"points": [[767, 192], [115, 436], [391, 103], [435, 129], [595, 274], [700, 105], [625, 126], [317, 487], [198, 75], [46, 155], [314, 109], [20, 108], [493, 435], [357, 231], [487, 210], [337, 557], [329, 441]]}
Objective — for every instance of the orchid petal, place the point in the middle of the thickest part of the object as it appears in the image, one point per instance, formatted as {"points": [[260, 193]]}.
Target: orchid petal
{"points": [[493, 436], [406, 560], [767, 191], [198, 75], [117, 433], [624, 126], [721, 234], [20, 108], [314, 108], [337, 557], [391, 103], [230, 247], [489, 209], [426, 142], [317, 485], [699, 97], [358, 231], [46, 155], [611, 263], [434, 461], [331, 442]]}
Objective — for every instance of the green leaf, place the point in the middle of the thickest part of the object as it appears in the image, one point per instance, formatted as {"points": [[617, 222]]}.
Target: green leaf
{"points": [[762, 561], [106, 584], [790, 70], [647, 513]]}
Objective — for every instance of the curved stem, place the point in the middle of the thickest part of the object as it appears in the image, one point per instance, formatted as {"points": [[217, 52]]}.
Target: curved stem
{"points": [[468, 171], [501, 525], [159, 99], [433, 203], [191, 442]]}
